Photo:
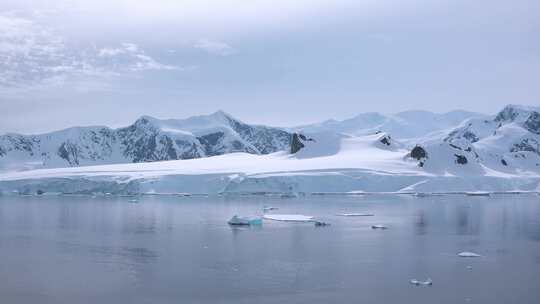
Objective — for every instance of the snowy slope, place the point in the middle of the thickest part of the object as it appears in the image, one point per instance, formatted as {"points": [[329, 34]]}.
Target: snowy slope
{"points": [[327, 163], [508, 143], [146, 140]]}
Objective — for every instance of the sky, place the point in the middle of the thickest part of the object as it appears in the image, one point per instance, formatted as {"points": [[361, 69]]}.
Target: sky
{"points": [[282, 63]]}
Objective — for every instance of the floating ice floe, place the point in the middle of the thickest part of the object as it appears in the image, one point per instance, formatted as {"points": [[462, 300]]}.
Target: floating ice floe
{"points": [[355, 214], [467, 254], [244, 221], [269, 208], [133, 201], [288, 217], [379, 226], [427, 282]]}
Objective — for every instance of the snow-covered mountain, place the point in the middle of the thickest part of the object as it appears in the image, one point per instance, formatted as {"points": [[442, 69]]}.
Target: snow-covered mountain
{"points": [[507, 143], [146, 140], [403, 125], [497, 153]]}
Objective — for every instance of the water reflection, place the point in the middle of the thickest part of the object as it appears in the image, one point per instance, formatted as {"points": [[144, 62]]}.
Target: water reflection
{"points": [[171, 250], [421, 223], [465, 225]]}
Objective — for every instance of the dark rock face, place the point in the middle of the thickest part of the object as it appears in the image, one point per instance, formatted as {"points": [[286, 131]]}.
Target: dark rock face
{"points": [[69, 152], [266, 140], [189, 149], [385, 140], [528, 144], [533, 123], [467, 134], [509, 113], [460, 159], [418, 153], [210, 141], [15, 142], [296, 144], [470, 136]]}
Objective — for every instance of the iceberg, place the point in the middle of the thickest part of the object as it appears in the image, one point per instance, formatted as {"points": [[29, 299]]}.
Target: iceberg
{"points": [[379, 227], [355, 214]]}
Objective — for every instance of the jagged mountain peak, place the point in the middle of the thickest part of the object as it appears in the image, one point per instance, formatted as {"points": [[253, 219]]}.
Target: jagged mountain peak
{"points": [[146, 139], [514, 112]]}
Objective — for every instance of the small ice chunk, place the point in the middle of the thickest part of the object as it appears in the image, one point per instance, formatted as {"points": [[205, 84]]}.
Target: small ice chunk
{"points": [[355, 214], [378, 226], [427, 282], [244, 221], [478, 193], [320, 223], [467, 254], [133, 200], [269, 208], [288, 217], [469, 267]]}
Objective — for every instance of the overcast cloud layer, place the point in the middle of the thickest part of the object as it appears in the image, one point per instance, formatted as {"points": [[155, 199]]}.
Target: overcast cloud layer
{"points": [[65, 63]]}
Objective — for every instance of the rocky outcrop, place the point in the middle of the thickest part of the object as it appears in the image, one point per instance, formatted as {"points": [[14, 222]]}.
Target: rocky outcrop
{"points": [[420, 154], [461, 159], [298, 142], [527, 145], [509, 113], [385, 140], [532, 124]]}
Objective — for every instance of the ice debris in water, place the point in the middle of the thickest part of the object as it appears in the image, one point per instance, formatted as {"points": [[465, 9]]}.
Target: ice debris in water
{"points": [[289, 217], [467, 254], [244, 221], [320, 223], [355, 214], [379, 227], [269, 208], [427, 282]]}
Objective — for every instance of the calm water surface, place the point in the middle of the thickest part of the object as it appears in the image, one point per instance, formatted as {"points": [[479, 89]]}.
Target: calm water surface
{"points": [[181, 250]]}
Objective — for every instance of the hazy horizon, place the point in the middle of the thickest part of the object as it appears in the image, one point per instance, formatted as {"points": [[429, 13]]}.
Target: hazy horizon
{"points": [[239, 118]]}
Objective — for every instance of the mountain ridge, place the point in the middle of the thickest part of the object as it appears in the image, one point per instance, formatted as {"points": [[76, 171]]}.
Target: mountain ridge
{"points": [[150, 139]]}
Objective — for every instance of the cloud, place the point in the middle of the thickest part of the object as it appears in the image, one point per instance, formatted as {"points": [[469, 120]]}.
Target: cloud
{"points": [[32, 54], [214, 47], [27, 53], [130, 57]]}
